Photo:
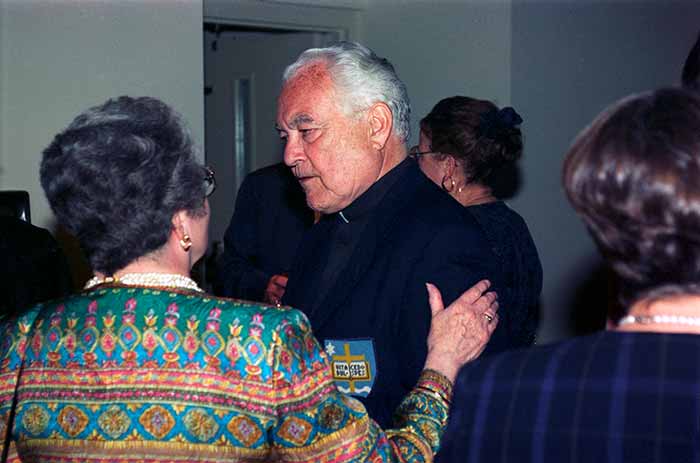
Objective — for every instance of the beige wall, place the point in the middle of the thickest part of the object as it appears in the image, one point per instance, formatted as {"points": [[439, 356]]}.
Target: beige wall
{"points": [[570, 59], [60, 57], [443, 48]]}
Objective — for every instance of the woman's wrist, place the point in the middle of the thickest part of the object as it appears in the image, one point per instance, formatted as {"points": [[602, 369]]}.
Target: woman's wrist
{"points": [[439, 364], [435, 383]]}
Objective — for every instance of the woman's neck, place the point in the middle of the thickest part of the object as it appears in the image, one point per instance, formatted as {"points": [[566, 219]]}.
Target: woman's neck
{"points": [[147, 273], [472, 194], [148, 264], [673, 314]]}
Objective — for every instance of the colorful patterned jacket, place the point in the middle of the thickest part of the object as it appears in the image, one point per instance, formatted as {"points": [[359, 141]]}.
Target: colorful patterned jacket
{"points": [[125, 374]]}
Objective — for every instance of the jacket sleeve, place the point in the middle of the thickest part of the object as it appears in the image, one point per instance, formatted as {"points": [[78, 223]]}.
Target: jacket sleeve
{"points": [[454, 260], [15, 335], [239, 274], [315, 422]]}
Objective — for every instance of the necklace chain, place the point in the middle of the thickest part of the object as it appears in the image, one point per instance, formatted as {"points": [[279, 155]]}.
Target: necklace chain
{"points": [[160, 280], [662, 318]]}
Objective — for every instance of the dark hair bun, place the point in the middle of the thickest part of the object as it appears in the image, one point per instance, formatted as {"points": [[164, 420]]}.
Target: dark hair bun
{"points": [[476, 132]]}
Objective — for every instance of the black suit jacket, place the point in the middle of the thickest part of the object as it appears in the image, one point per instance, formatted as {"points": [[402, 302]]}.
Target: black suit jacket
{"points": [[268, 223], [416, 234], [610, 397]]}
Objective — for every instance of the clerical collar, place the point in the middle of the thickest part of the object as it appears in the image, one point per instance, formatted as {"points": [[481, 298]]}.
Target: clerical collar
{"points": [[374, 194]]}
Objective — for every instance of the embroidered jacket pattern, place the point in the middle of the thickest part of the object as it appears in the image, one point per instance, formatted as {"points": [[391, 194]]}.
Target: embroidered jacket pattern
{"points": [[135, 374]]}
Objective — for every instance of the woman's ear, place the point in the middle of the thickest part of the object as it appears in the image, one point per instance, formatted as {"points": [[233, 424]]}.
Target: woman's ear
{"points": [[178, 223], [450, 164], [179, 228], [381, 122]]}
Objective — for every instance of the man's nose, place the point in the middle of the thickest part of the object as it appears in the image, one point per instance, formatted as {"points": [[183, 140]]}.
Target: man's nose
{"points": [[293, 151]]}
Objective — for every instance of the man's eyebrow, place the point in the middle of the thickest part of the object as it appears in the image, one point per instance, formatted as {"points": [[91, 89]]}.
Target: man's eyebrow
{"points": [[297, 121], [301, 119]]}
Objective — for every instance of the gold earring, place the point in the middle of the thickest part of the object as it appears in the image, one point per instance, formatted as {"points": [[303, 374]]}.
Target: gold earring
{"points": [[186, 242]]}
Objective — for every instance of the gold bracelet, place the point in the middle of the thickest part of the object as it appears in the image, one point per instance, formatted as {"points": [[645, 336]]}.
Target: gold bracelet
{"points": [[434, 394], [436, 383]]}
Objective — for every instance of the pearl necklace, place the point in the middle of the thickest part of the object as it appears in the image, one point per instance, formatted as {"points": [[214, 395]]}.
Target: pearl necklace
{"points": [[159, 280], [664, 319]]}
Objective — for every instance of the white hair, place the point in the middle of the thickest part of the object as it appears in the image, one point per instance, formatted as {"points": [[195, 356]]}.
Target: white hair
{"points": [[362, 78]]}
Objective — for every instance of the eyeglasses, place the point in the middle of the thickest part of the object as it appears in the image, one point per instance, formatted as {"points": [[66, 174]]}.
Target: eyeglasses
{"points": [[416, 154], [209, 181]]}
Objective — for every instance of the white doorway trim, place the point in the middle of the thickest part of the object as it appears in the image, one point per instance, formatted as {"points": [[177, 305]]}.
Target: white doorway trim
{"points": [[341, 32], [343, 21]]}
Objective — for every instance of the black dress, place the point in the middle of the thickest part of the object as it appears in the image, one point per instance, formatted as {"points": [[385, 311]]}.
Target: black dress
{"points": [[521, 276]]}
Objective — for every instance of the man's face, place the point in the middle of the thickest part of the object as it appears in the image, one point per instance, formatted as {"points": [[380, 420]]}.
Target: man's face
{"points": [[329, 152]]}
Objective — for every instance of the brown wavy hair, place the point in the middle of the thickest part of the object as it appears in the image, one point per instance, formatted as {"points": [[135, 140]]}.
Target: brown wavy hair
{"points": [[633, 175]]}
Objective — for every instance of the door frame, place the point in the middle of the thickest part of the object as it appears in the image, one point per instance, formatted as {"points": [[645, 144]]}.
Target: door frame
{"points": [[344, 20]]}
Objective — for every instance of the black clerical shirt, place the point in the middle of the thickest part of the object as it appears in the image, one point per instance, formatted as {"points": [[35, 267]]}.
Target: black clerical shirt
{"points": [[344, 230]]}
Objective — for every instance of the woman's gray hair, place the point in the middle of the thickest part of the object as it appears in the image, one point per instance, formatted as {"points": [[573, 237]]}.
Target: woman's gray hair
{"points": [[363, 78], [117, 175]]}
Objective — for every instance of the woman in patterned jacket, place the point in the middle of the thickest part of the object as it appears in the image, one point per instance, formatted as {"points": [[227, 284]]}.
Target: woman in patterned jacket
{"points": [[144, 366]]}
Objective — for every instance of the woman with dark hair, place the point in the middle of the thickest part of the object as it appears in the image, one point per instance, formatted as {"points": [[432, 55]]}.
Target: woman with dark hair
{"points": [[144, 366], [463, 141], [629, 394]]}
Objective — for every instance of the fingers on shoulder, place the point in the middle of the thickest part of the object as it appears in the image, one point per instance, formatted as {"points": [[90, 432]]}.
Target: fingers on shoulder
{"points": [[473, 294]]}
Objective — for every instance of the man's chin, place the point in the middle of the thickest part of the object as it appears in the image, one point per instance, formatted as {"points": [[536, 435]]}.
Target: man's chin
{"points": [[323, 202], [320, 206]]}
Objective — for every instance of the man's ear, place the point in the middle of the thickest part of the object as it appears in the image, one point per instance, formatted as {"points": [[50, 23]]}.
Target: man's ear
{"points": [[381, 122]]}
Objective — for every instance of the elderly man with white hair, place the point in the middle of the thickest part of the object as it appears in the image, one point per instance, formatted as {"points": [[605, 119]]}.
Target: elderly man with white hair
{"points": [[361, 272]]}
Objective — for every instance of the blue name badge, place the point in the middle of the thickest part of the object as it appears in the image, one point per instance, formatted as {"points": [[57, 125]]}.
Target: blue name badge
{"points": [[353, 365]]}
